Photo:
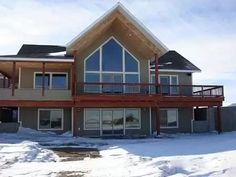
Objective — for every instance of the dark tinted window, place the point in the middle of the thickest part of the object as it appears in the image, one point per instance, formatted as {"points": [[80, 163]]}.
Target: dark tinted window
{"points": [[92, 63], [131, 65], [112, 56]]}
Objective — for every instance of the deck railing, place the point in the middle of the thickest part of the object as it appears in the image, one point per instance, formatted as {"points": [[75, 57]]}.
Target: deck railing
{"points": [[150, 89]]}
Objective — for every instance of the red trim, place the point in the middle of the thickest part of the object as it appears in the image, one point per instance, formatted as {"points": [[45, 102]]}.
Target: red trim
{"points": [[75, 122], [158, 125]]}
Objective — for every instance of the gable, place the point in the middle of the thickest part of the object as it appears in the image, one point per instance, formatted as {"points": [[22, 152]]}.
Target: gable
{"points": [[123, 25]]}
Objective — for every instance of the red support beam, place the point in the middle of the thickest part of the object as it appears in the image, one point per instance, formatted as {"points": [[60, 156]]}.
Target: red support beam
{"points": [[13, 77], [43, 78], [75, 122], [158, 125], [218, 119], [74, 78], [156, 73]]}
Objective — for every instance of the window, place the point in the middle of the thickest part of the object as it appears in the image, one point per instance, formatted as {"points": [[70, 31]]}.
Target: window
{"points": [[112, 56], [166, 81], [92, 119], [52, 81], [131, 65], [50, 119], [169, 118], [131, 78], [92, 63], [117, 66], [92, 88], [39, 81], [59, 81], [132, 118]]}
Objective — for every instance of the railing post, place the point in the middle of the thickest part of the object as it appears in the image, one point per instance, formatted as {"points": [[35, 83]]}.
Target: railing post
{"points": [[13, 77]]}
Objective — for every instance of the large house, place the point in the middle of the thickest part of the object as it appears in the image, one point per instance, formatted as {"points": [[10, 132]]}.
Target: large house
{"points": [[115, 78]]}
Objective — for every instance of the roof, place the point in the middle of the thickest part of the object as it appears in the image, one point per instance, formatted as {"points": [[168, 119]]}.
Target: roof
{"points": [[29, 51], [172, 60], [119, 7]]}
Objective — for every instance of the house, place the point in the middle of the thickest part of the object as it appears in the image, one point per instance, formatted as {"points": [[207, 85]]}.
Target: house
{"points": [[115, 78]]}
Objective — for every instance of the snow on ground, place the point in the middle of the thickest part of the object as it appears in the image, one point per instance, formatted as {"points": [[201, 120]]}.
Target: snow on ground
{"points": [[196, 155]]}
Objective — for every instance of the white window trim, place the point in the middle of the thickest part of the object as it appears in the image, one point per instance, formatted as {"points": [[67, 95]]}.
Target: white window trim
{"points": [[50, 79], [62, 119], [124, 114], [170, 77], [97, 109], [177, 118], [100, 72]]}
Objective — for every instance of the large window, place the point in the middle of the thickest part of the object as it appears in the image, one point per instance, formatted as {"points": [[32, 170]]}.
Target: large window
{"points": [[50, 119], [132, 118], [111, 63], [92, 119], [112, 119], [51, 80], [169, 118]]}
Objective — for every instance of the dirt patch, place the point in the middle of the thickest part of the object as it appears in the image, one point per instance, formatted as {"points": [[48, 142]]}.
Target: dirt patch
{"points": [[71, 174], [73, 154]]}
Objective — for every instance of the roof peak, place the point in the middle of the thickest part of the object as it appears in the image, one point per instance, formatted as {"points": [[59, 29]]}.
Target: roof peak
{"points": [[124, 11]]}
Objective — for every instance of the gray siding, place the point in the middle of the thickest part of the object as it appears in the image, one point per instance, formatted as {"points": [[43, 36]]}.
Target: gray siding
{"points": [[29, 119], [185, 116]]}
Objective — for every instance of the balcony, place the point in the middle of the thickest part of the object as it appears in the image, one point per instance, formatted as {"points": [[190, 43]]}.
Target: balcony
{"points": [[151, 89], [147, 94], [34, 94]]}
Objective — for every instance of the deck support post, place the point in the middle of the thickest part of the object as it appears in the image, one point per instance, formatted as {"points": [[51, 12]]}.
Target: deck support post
{"points": [[158, 126], [43, 78], [13, 77], [218, 119], [75, 122], [156, 73]]}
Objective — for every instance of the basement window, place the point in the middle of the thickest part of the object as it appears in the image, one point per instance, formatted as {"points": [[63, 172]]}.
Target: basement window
{"points": [[50, 119], [169, 118]]}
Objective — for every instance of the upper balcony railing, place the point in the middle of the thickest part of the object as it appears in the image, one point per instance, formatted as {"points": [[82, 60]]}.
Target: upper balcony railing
{"points": [[151, 89]]}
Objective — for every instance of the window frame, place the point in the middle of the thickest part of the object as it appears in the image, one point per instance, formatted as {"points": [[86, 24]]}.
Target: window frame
{"points": [[50, 80], [100, 72], [97, 109], [177, 118], [48, 109], [139, 116], [124, 120]]}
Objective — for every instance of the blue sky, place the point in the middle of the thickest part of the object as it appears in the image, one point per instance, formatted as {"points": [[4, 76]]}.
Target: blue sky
{"points": [[203, 31]]}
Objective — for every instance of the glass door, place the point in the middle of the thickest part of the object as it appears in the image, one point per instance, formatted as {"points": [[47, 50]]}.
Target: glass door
{"points": [[107, 125], [112, 122]]}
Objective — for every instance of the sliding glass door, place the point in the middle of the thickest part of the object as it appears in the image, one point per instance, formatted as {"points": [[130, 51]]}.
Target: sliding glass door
{"points": [[112, 122]]}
